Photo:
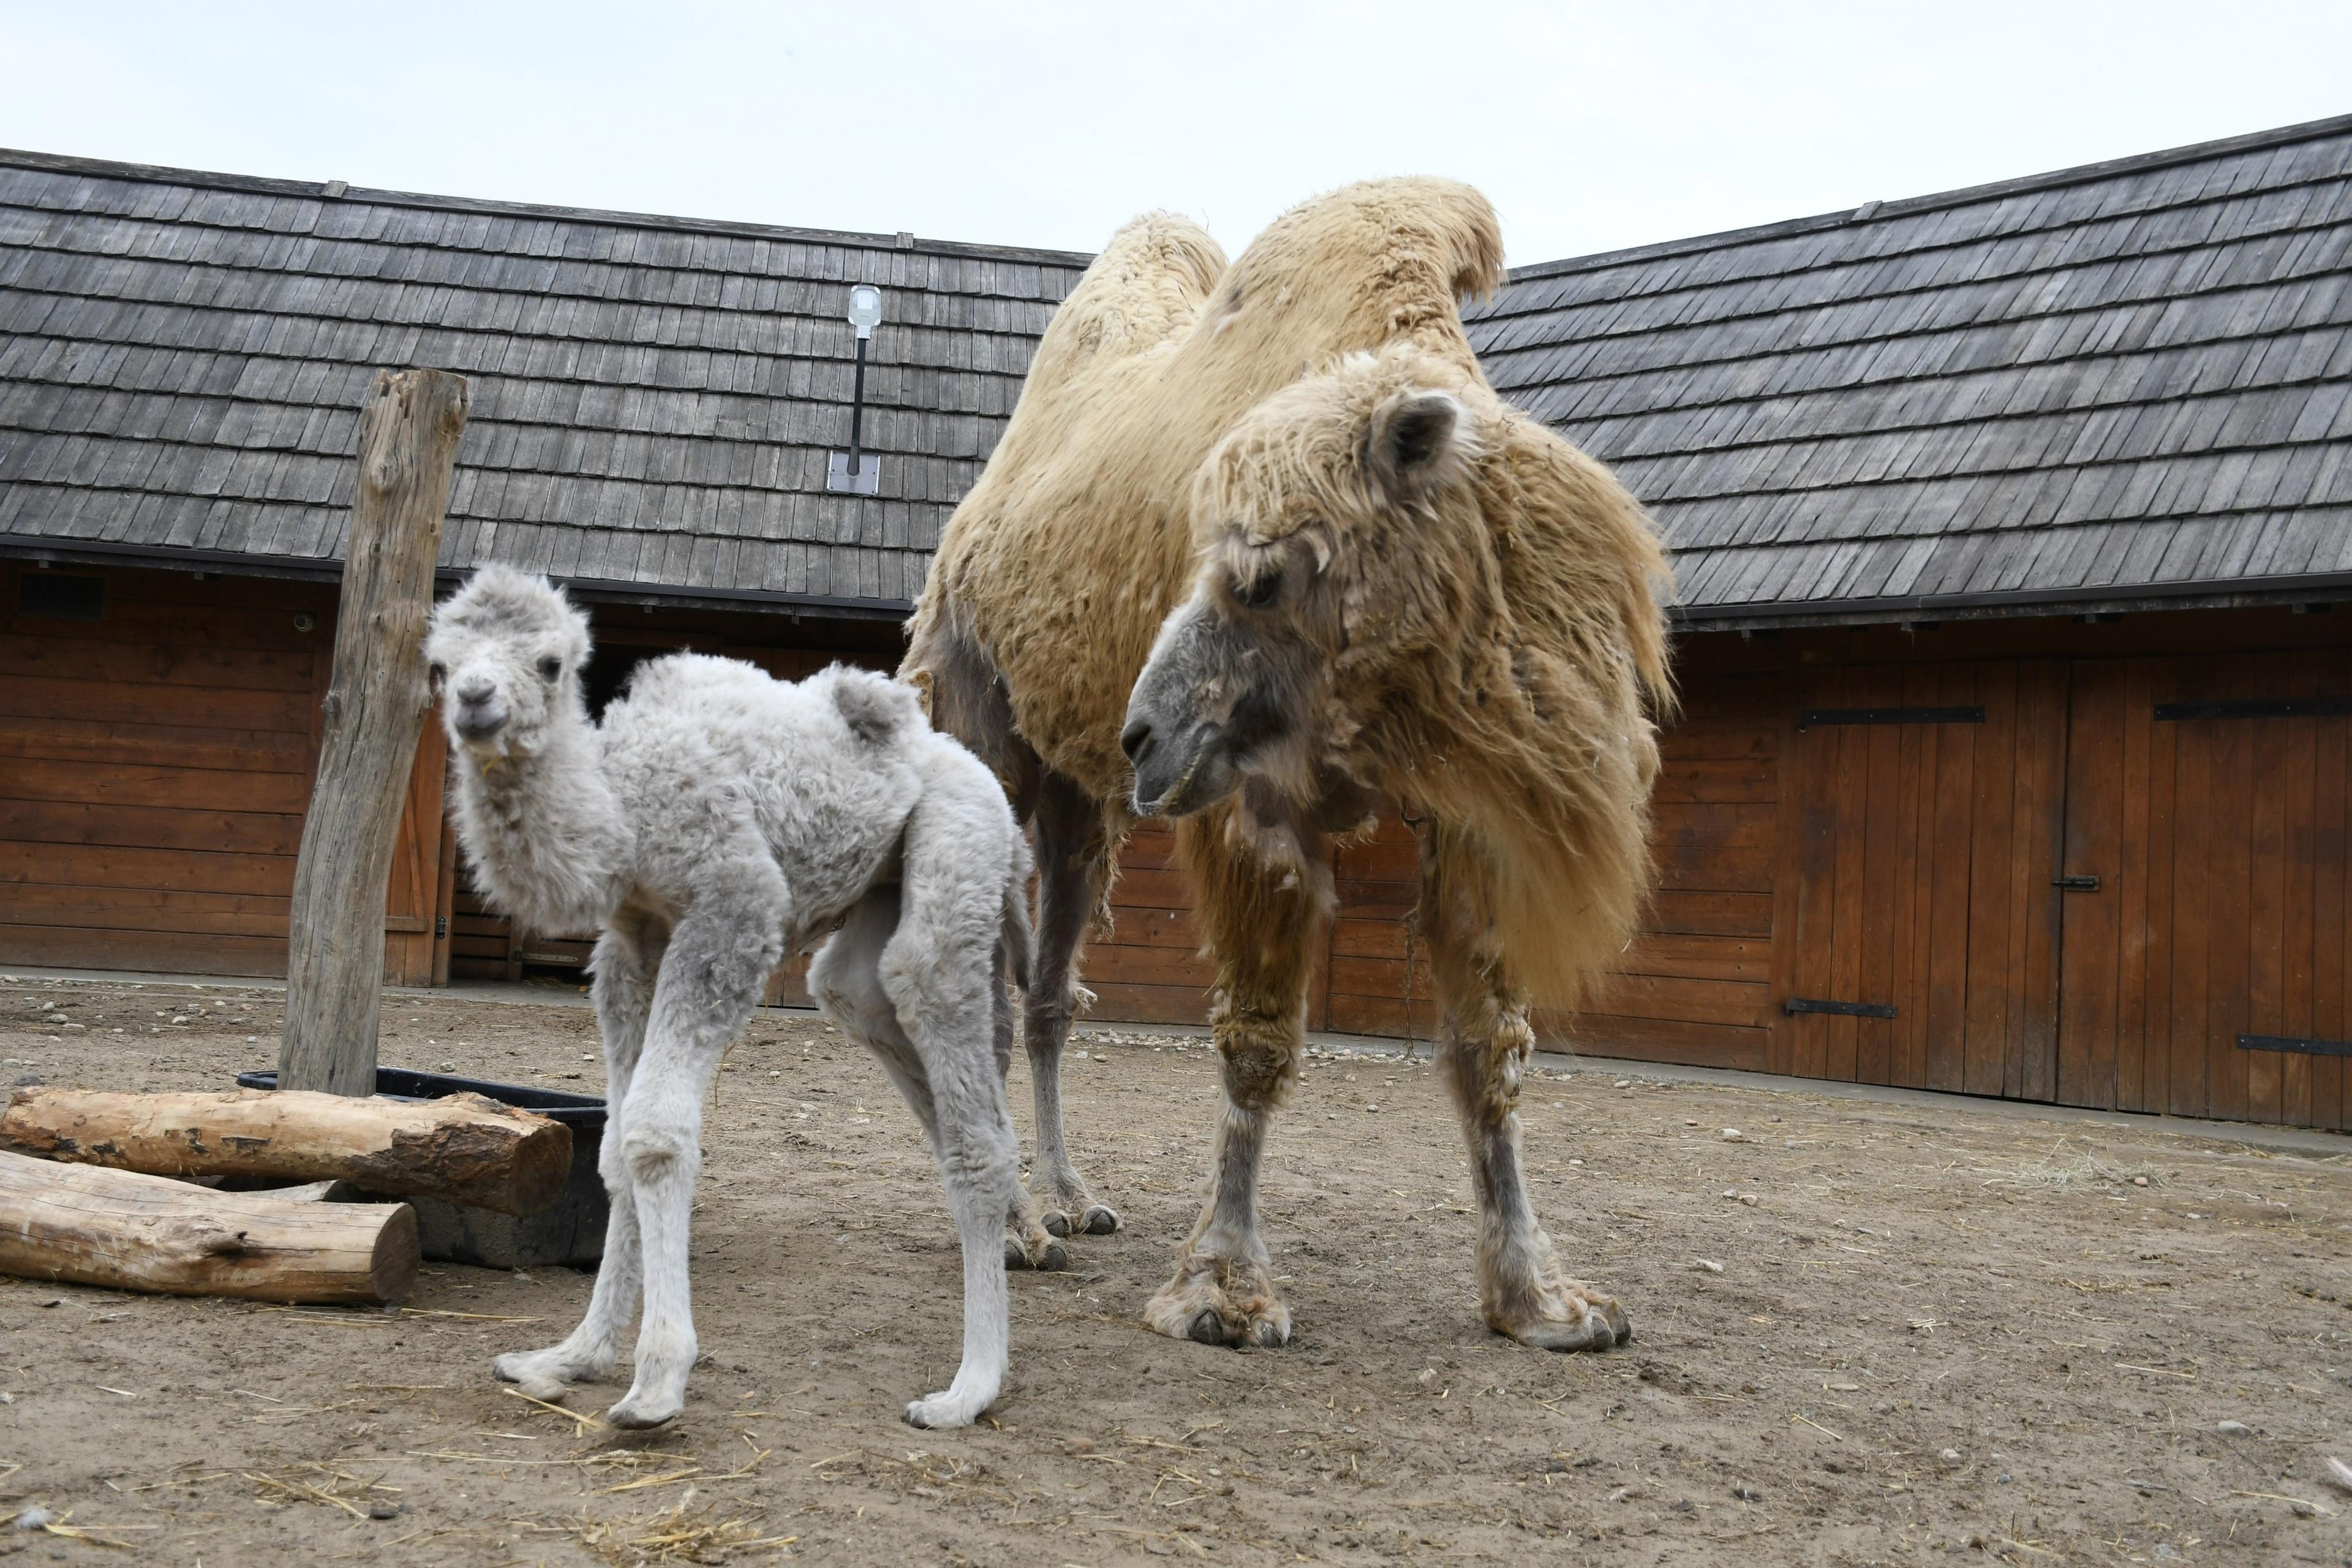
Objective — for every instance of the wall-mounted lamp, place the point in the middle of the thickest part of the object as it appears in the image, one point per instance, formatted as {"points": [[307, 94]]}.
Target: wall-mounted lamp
{"points": [[852, 472]]}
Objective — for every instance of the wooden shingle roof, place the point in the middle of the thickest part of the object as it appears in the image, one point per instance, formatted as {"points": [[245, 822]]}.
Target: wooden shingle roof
{"points": [[183, 355], [2121, 383]]}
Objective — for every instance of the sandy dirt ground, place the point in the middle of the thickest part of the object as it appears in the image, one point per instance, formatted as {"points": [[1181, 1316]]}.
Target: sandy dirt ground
{"points": [[1865, 1332]]}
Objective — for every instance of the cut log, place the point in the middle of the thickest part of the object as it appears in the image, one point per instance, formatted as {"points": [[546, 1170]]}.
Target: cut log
{"points": [[465, 1148], [375, 707], [97, 1227]]}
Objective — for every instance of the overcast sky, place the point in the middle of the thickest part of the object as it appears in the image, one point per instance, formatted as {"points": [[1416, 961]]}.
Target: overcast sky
{"points": [[1591, 127]]}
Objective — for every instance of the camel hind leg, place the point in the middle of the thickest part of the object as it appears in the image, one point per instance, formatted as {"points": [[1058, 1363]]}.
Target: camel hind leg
{"points": [[1073, 856], [966, 697], [1482, 1054], [846, 978], [938, 969]]}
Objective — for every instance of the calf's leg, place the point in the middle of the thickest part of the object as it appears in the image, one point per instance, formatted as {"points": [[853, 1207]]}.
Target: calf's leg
{"points": [[938, 969], [846, 981], [711, 979], [627, 956]]}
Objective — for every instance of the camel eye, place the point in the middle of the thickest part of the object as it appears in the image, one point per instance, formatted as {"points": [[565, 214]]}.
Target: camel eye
{"points": [[1258, 592], [550, 668]]}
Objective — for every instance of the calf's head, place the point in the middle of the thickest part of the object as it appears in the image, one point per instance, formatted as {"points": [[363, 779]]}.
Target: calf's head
{"points": [[505, 652]]}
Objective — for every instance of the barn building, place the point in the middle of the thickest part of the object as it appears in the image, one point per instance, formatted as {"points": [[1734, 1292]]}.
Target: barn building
{"points": [[2007, 526]]}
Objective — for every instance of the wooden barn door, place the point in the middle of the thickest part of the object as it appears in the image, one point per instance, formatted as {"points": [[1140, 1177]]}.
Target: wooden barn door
{"points": [[1924, 937], [2209, 970]]}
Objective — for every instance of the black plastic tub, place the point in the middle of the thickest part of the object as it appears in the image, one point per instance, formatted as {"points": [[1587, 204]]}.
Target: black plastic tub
{"points": [[569, 1230]]}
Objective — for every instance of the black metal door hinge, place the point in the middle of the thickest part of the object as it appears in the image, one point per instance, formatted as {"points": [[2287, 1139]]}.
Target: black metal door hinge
{"points": [[440, 925], [1843, 1009], [2076, 884], [2306, 1044], [1810, 717]]}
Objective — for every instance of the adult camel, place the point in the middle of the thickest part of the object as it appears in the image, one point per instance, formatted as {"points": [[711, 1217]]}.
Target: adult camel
{"points": [[1261, 550]]}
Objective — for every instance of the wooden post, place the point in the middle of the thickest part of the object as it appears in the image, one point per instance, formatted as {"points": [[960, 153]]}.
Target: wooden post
{"points": [[376, 709]]}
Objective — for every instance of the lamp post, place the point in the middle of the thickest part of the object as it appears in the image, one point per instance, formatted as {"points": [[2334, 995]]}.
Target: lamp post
{"points": [[848, 472]]}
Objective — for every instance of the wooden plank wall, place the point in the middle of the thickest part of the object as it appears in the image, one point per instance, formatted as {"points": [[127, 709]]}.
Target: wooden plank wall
{"points": [[155, 765], [1922, 878], [1696, 984]]}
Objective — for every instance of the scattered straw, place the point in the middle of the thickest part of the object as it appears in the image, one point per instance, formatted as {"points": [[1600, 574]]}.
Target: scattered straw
{"points": [[587, 1423], [676, 1535]]}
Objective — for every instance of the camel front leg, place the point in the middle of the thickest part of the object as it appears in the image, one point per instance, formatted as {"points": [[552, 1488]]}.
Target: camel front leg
{"points": [[1262, 920], [711, 979], [1483, 1053], [627, 956]]}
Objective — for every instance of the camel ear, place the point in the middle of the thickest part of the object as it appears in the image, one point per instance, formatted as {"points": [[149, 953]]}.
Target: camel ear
{"points": [[1415, 441]]}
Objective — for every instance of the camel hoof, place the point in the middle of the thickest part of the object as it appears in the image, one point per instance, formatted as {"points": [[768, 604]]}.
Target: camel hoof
{"points": [[1055, 1222], [1101, 1220], [1193, 1307], [1046, 1255], [1581, 1320], [536, 1371]]}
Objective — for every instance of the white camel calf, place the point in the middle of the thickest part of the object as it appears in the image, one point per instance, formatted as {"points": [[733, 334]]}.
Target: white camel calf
{"points": [[714, 820]]}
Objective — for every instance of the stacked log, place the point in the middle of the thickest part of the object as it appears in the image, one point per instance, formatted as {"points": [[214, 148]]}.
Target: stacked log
{"points": [[92, 1226], [465, 1148]]}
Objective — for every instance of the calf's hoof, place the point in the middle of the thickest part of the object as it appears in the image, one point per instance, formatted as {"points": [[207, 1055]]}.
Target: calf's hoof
{"points": [[642, 1411], [941, 1410], [536, 1371]]}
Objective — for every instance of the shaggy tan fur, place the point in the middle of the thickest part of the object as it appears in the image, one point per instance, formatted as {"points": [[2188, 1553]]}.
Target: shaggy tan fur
{"points": [[1078, 534], [1469, 622], [1514, 629]]}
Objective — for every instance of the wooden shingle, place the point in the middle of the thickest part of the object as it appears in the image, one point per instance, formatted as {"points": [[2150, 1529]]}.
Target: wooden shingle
{"points": [[182, 355], [2111, 383]]}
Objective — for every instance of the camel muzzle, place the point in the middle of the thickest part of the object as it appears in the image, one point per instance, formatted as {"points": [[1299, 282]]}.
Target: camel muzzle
{"points": [[477, 721], [1168, 765]]}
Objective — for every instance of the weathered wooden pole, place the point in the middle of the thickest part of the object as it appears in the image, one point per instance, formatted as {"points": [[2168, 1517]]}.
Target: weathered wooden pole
{"points": [[375, 707]]}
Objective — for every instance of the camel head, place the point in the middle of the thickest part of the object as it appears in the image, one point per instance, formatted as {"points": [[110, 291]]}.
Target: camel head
{"points": [[1333, 531], [505, 652]]}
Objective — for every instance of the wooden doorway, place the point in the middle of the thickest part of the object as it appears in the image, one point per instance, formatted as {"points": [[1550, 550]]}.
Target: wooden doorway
{"points": [[1922, 940], [2207, 973]]}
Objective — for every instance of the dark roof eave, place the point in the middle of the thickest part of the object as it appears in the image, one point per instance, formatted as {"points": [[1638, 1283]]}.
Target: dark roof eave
{"points": [[598, 590], [2114, 599]]}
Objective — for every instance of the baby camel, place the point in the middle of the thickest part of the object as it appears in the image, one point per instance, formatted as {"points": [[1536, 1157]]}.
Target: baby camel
{"points": [[714, 820]]}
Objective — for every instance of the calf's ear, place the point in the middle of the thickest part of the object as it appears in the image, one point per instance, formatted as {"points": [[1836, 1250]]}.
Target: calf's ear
{"points": [[1416, 442]]}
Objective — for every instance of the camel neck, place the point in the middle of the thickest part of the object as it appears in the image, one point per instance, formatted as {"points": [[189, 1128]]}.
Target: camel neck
{"points": [[543, 829]]}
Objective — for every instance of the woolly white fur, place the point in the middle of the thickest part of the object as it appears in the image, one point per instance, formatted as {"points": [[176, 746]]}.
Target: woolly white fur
{"points": [[716, 820]]}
